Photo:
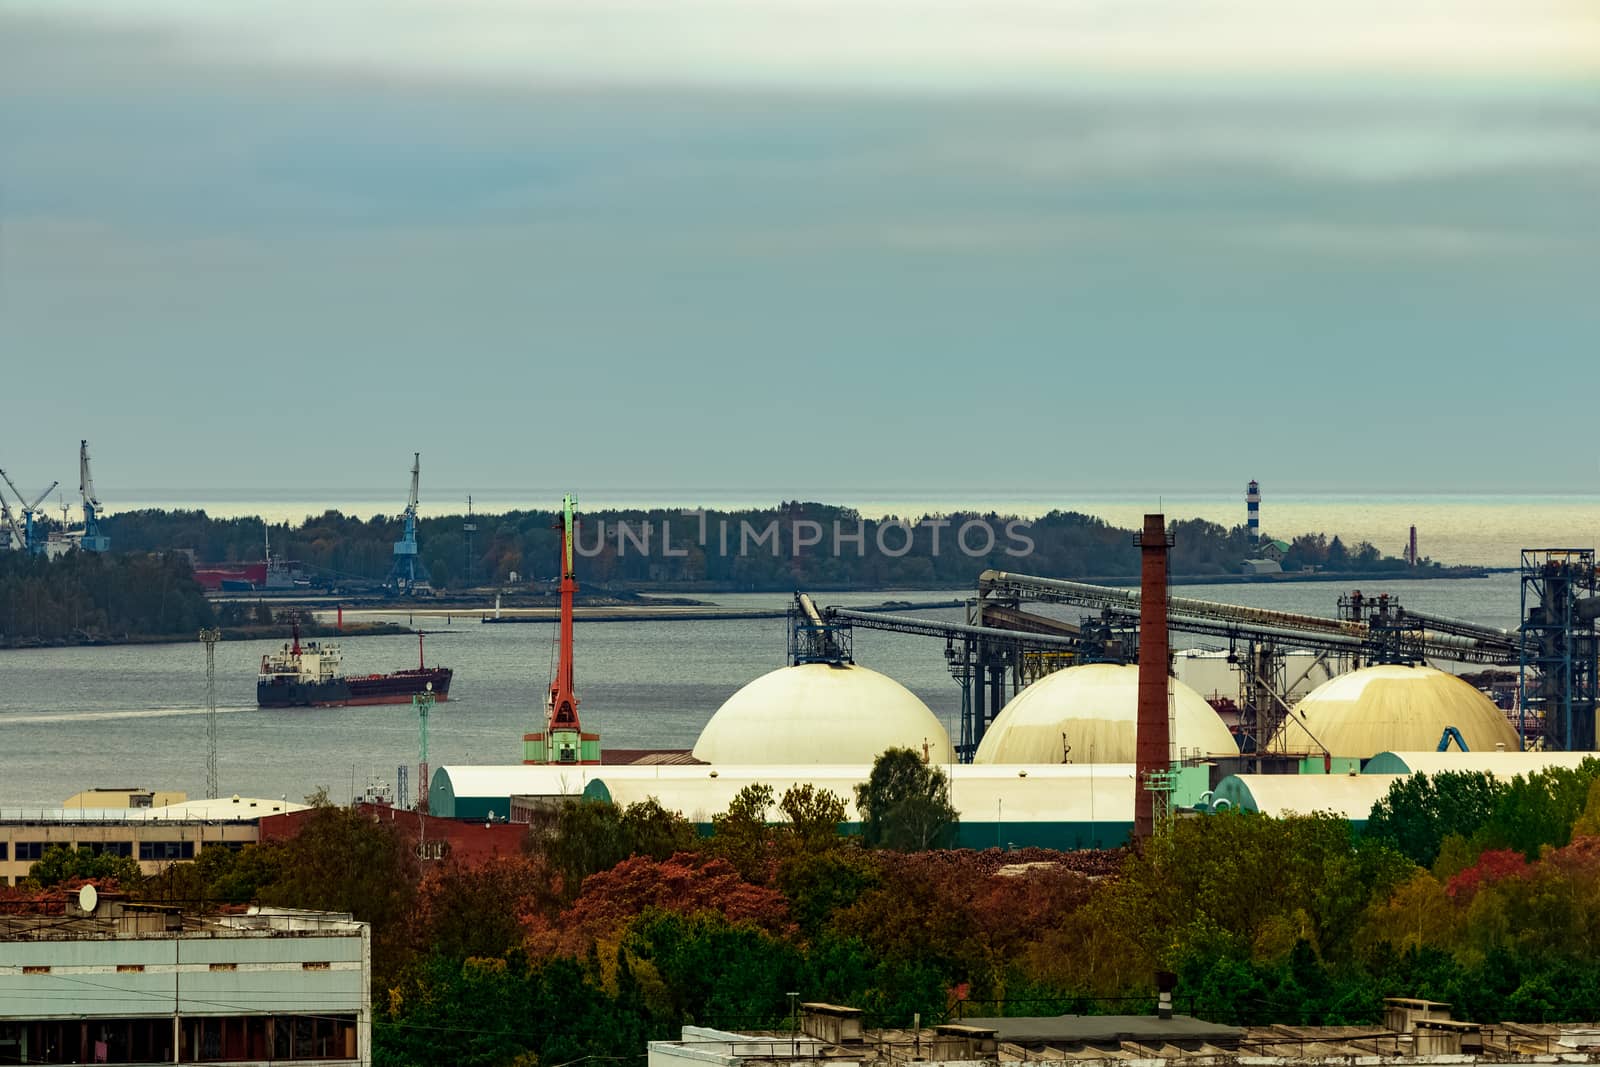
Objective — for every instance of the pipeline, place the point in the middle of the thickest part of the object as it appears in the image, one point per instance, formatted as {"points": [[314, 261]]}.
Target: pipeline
{"points": [[1259, 620], [905, 624], [808, 608]]}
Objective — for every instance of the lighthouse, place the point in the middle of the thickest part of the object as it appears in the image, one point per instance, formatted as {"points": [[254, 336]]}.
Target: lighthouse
{"points": [[1252, 505]]}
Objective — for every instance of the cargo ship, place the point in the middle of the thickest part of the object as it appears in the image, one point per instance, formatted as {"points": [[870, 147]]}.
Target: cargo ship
{"points": [[307, 675]]}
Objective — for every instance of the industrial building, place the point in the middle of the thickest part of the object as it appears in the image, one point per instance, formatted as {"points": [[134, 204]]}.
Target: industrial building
{"points": [[821, 713], [1393, 706], [1088, 713], [86, 979], [1071, 733], [1414, 1032], [154, 835]]}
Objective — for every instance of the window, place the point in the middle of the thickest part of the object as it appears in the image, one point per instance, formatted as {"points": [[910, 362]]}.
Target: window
{"points": [[224, 966], [35, 970], [108, 848], [321, 965], [5, 851], [30, 850], [166, 850], [130, 968]]}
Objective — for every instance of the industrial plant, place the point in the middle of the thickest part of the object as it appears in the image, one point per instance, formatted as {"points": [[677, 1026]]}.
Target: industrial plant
{"points": [[1078, 734]]}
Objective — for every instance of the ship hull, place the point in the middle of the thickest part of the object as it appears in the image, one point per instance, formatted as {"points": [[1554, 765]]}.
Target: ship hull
{"points": [[397, 688]]}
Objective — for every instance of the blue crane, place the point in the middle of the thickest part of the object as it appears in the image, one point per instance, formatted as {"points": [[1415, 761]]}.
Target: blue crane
{"points": [[408, 576], [92, 540], [32, 538]]}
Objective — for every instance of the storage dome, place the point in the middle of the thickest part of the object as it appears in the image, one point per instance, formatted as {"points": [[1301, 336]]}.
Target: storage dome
{"points": [[1096, 706], [819, 713], [1392, 708]]}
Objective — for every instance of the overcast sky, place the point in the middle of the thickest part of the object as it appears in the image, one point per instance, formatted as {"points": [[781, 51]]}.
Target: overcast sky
{"points": [[951, 247]]}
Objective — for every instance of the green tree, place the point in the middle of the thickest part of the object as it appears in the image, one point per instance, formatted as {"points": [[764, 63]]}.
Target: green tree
{"points": [[1419, 812], [343, 860], [741, 835], [62, 863], [585, 837], [905, 804], [815, 815]]}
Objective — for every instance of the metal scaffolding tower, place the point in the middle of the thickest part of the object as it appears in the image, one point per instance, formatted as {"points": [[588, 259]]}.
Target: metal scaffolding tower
{"points": [[211, 637], [1557, 670]]}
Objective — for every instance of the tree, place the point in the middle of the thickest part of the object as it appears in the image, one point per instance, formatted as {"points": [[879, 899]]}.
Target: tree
{"points": [[61, 863], [905, 804], [343, 860], [685, 884], [1419, 812], [814, 815], [586, 837], [740, 835], [480, 910]]}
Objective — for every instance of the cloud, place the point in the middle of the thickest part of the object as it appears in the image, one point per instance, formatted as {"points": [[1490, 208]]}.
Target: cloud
{"points": [[917, 45]]}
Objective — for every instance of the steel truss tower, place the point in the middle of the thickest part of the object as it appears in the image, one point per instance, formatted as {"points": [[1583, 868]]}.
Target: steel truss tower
{"points": [[1556, 681], [211, 637]]}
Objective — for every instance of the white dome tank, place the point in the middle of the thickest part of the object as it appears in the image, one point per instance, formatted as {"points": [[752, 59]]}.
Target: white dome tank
{"points": [[1096, 705], [1392, 708], [819, 713]]}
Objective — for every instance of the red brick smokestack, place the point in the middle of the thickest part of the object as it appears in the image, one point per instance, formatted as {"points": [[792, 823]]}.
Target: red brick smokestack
{"points": [[1152, 740]]}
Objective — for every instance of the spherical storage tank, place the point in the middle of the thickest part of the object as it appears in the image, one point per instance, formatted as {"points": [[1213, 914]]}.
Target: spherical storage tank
{"points": [[821, 713], [1096, 707], [1392, 708]]}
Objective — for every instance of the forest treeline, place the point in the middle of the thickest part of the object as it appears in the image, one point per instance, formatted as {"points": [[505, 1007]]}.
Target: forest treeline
{"points": [[793, 544], [615, 926], [99, 596]]}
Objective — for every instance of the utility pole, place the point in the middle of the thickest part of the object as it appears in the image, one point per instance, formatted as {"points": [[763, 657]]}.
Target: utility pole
{"points": [[211, 637], [423, 702]]}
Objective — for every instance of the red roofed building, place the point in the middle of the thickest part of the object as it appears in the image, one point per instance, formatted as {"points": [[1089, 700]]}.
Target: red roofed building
{"points": [[470, 843]]}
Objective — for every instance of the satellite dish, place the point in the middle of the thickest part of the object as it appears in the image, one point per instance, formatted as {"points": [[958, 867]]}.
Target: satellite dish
{"points": [[88, 898]]}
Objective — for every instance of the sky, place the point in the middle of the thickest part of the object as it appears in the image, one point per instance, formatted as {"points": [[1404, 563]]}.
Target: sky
{"points": [[766, 248]]}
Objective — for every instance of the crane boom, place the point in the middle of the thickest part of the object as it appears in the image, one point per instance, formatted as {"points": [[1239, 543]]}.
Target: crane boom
{"points": [[13, 537], [12, 484], [416, 473], [29, 509], [85, 481]]}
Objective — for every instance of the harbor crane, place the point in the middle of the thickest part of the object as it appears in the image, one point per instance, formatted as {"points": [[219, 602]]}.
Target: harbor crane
{"points": [[408, 576], [31, 540], [92, 540], [11, 536]]}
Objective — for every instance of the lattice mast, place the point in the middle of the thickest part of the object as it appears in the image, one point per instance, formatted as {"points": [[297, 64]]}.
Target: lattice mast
{"points": [[211, 637]]}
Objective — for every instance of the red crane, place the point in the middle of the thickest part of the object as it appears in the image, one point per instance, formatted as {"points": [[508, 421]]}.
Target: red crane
{"points": [[563, 739], [563, 705]]}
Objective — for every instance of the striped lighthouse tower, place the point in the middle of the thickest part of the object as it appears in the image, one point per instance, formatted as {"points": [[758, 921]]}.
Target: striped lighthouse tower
{"points": [[1252, 504]]}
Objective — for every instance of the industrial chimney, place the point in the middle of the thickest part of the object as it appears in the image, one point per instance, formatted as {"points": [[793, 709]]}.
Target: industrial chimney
{"points": [[1153, 735]]}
